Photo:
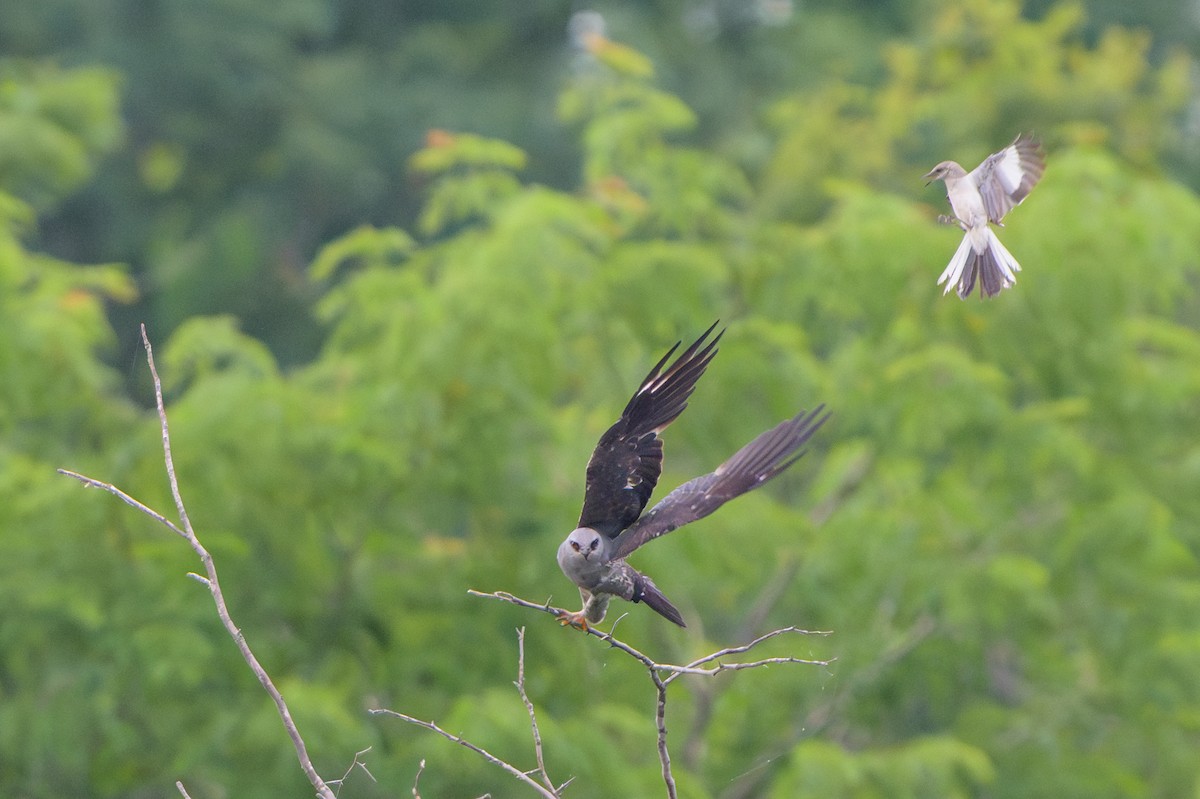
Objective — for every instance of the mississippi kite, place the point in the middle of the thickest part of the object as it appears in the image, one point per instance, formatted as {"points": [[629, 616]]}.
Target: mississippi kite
{"points": [[624, 469], [983, 195]]}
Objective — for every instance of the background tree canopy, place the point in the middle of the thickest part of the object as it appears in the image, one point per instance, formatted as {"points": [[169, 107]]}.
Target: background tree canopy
{"points": [[404, 264]]}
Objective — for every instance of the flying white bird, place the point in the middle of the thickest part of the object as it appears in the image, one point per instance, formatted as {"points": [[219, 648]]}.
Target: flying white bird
{"points": [[983, 195]]}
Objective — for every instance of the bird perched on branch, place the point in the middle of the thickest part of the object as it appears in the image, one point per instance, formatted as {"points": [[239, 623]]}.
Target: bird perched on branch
{"points": [[622, 474], [983, 195]]}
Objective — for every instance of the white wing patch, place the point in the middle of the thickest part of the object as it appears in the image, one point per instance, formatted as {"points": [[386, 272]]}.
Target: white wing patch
{"points": [[1008, 170]]}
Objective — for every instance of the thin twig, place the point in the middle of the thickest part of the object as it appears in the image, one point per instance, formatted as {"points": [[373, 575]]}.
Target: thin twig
{"points": [[660, 723], [128, 500], [181, 789], [210, 570], [537, 735], [549, 788], [820, 716], [355, 764], [695, 667], [656, 670], [420, 768], [479, 750]]}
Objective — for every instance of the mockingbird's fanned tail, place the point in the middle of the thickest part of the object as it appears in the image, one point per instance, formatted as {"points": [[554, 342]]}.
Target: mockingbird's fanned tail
{"points": [[980, 255]]}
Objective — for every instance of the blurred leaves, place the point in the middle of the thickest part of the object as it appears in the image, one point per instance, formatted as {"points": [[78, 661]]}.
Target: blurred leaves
{"points": [[983, 74], [474, 176], [54, 124], [367, 246]]}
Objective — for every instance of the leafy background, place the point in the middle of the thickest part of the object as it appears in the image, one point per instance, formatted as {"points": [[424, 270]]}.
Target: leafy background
{"points": [[404, 263]]}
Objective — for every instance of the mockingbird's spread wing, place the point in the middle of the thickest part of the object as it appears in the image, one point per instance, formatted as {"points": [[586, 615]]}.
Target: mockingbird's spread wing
{"points": [[751, 466], [626, 464], [1005, 178]]}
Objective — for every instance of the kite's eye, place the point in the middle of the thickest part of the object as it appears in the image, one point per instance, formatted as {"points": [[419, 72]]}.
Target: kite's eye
{"points": [[595, 543], [575, 546]]}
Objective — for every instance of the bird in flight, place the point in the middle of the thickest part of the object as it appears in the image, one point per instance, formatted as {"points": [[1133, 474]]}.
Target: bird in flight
{"points": [[983, 195], [625, 467]]}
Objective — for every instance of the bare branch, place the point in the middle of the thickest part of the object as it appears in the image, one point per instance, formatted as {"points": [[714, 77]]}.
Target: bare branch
{"points": [[516, 600], [537, 735], [178, 784], [819, 717], [168, 459], [417, 779], [656, 670], [660, 723], [210, 580], [547, 788], [355, 764], [128, 500], [486, 755], [693, 667]]}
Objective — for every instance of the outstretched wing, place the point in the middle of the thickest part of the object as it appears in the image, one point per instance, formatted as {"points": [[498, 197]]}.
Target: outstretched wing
{"points": [[751, 466], [1005, 178], [625, 465]]}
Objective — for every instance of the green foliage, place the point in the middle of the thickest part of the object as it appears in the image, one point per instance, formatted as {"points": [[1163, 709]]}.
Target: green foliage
{"points": [[54, 123], [475, 174], [924, 767], [52, 321], [982, 73], [367, 245], [62, 555], [1000, 524]]}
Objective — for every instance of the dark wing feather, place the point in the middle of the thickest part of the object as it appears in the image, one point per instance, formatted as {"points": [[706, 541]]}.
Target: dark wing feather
{"points": [[1005, 178], [626, 464], [751, 466]]}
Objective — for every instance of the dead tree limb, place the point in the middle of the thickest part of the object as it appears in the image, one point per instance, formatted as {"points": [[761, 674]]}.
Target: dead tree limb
{"points": [[547, 787], [537, 735], [479, 750], [209, 579], [663, 674]]}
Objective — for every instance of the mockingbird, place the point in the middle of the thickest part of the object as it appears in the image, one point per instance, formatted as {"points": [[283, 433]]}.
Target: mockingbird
{"points": [[625, 467], [986, 194]]}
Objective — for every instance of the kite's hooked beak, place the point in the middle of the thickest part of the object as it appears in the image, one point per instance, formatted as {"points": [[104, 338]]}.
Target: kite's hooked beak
{"points": [[929, 176]]}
